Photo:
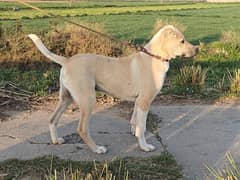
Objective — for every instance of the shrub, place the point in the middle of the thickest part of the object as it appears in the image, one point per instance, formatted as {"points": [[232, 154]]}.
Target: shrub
{"points": [[190, 80], [232, 37], [227, 48], [231, 172], [66, 40], [234, 79], [73, 40], [100, 171]]}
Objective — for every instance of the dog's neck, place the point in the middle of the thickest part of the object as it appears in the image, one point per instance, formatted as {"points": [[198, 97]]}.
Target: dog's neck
{"points": [[155, 47], [156, 56], [149, 62]]}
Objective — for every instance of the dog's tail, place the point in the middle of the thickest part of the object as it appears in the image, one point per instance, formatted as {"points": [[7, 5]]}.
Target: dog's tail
{"points": [[37, 41]]}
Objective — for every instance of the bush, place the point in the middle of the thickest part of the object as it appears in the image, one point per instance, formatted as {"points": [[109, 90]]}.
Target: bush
{"points": [[227, 48], [231, 172], [100, 171], [232, 37], [190, 80], [73, 40], [221, 57], [234, 79], [66, 40]]}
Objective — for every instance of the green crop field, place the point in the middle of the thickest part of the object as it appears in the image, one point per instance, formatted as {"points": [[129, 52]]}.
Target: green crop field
{"points": [[204, 22], [74, 11]]}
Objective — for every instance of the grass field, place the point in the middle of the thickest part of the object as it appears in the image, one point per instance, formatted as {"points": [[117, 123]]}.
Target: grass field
{"points": [[136, 22], [204, 23]]}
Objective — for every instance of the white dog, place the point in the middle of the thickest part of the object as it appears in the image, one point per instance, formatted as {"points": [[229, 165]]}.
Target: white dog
{"points": [[138, 77]]}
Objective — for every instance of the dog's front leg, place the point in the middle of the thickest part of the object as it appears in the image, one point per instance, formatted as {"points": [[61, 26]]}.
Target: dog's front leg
{"points": [[140, 130]]}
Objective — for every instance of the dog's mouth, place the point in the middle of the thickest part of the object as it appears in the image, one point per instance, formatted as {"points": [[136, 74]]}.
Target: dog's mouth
{"points": [[181, 56], [188, 55], [192, 53]]}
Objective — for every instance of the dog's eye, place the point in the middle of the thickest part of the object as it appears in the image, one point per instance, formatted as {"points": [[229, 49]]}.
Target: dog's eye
{"points": [[182, 41]]}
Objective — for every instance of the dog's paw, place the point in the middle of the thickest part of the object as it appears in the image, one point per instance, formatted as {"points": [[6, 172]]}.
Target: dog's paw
{"points": [[101, 150], [58, 141], [148, 148], [61, 140]]}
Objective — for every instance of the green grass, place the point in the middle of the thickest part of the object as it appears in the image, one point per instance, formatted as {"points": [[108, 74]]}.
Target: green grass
{"points": [[40, 82], [162, 166], [205, 25], [221, 59], [202, 25]]}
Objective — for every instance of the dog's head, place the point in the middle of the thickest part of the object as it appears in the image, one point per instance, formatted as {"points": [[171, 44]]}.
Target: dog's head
{"points": [[170, 43]]}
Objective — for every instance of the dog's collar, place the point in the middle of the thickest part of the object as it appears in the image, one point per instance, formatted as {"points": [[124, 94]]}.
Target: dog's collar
{"points": [[144, 50]]}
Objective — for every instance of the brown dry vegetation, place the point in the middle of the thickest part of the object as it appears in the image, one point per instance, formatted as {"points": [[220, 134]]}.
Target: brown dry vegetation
{"points": [[18, 50]]}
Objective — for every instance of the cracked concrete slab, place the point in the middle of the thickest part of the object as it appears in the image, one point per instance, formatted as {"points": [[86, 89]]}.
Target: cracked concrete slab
{"points": [[106, 129], [199, 135]]}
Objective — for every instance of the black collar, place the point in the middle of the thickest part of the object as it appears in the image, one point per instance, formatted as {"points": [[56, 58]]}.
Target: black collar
{"points": [[144, 50]]}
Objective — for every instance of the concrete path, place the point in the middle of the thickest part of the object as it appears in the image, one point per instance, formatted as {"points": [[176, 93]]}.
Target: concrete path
{"points": [[195, 135], [200, 135], [106, 129]]}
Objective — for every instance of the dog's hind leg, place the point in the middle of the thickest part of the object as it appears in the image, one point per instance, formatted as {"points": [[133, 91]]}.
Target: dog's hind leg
{"points": [[83, 127], [65, 100]]}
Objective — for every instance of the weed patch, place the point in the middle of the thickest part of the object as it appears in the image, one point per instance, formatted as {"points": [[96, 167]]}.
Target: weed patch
{"points": [[231, 171], [63, 40], [162, 166], [152, 122], [231, 37], [191, 80], [234, 79], [212, 73]]}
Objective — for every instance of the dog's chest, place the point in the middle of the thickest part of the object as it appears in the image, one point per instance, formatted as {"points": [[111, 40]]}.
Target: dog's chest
{"points": [[159, 76], [166, 66], [159, 81]]}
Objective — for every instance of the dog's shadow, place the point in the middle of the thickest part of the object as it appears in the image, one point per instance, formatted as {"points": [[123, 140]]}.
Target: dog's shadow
{"points": [[107, 128]]}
